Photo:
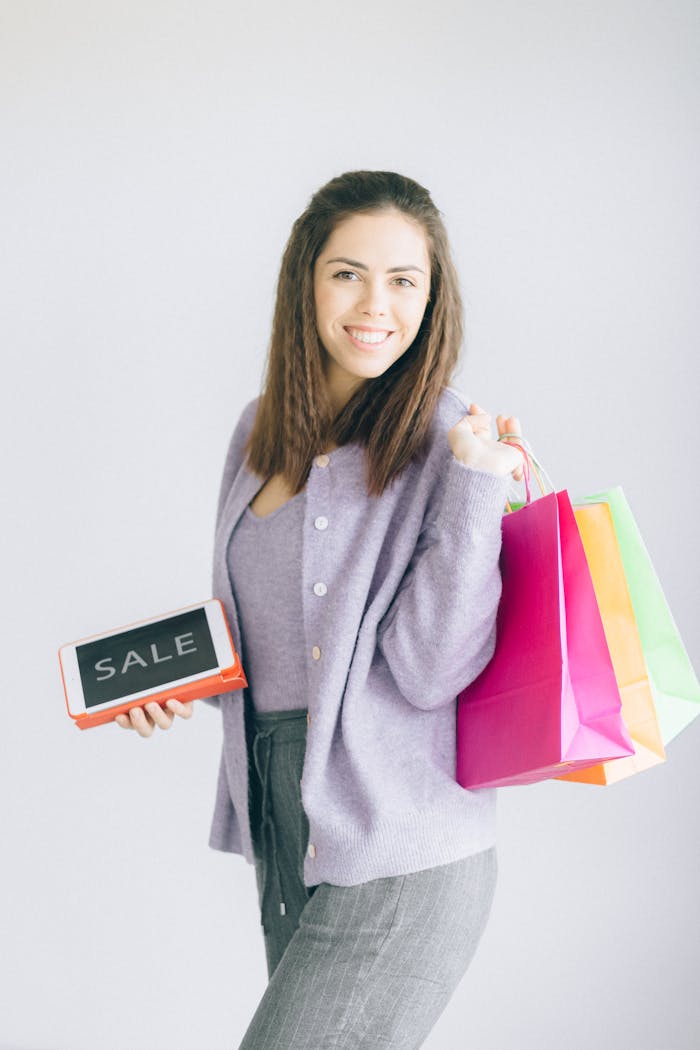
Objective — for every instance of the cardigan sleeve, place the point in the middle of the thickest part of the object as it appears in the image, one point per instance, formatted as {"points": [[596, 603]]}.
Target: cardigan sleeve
{"points": [[232, 464], [234, 456], [439, 632]]}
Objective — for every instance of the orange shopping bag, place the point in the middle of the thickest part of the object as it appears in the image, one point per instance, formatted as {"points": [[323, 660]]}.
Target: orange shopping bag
{"points": [[597, 532]]}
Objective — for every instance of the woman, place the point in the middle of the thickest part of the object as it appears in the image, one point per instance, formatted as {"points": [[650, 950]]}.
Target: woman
{"points": [[356, 553]]}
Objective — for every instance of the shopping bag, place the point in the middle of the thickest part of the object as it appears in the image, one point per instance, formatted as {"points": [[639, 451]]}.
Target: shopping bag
{"points": [[600, 544], [548, 701], [674, 683]]}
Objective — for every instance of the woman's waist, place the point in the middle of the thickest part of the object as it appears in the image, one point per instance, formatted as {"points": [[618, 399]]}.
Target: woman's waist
{"points": [[283, 725]]}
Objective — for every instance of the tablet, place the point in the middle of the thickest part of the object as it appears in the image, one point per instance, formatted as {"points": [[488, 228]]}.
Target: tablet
{"points": [[186, 654]]}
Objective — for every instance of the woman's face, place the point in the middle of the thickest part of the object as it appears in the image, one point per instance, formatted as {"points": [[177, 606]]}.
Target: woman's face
{"points": [[371, 286]]}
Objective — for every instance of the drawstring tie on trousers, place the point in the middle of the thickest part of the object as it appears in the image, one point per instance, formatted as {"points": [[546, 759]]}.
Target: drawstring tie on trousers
{"points": [[262, 746]]}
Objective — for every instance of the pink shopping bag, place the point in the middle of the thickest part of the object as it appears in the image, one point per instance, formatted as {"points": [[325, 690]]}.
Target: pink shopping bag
{"points": [[548, 701]]}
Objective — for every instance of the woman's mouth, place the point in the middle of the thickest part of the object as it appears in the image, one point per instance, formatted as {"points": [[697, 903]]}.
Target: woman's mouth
{"points": [[372, 340]]}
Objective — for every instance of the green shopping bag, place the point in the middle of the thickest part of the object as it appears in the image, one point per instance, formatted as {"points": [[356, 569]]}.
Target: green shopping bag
{"points": [[673, 681]]}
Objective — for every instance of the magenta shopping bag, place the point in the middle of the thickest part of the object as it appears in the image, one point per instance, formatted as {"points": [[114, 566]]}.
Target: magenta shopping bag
{"points": [[548, 701]]}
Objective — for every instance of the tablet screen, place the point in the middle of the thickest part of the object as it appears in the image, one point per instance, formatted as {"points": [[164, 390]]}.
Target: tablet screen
{"points": [[144, 658]]}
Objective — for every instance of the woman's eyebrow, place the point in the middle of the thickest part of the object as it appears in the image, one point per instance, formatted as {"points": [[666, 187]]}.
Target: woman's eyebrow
{"points": [[361, 266]]}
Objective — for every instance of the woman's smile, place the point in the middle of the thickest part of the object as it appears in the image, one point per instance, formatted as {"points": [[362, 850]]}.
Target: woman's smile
{"points": [[368, 338]]}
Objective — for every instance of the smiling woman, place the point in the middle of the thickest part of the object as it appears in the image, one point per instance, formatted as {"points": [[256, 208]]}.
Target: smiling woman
{"points": [[357, 492], [363, 859], [369, 314]]}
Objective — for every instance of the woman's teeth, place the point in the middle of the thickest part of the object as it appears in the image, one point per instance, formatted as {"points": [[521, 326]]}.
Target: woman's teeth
{"points": [[367, 337]]}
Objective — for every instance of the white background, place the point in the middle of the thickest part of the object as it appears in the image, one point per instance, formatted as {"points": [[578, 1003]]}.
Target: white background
{"points": [[154, 157]]}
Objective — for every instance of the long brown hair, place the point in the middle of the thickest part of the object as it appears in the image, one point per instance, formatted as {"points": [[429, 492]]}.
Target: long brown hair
{"points": [[390, 414]]}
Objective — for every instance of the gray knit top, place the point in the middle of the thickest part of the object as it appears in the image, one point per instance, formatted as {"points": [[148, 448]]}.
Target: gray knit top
{"points": [[264, 561]]}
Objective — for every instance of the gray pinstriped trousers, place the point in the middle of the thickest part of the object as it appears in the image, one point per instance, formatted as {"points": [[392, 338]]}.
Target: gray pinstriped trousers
{"points": [[367, 966]]}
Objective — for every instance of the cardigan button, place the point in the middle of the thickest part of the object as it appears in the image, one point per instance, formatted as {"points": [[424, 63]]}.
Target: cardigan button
{"points": [[316, 653], [311, 850], [320, 589], [321, 522], [322, 461]]}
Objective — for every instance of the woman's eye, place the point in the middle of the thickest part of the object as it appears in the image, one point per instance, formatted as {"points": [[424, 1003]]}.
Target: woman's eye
{"points": [[347, 274]]}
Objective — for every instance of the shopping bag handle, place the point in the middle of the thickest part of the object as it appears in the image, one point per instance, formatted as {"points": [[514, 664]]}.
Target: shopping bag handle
{"points": [[531, 465], [526, 464]]}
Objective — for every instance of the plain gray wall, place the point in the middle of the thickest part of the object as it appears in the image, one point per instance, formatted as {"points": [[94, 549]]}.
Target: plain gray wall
{"points": [[154, 157]]}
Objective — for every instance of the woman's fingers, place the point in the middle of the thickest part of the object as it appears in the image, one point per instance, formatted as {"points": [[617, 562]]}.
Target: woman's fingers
{"points": [[477, 410], [479, 420], [508, 425], [162, 718], [140, 721], [178, 708], [136, 718], [145, 719], [477, 424]]}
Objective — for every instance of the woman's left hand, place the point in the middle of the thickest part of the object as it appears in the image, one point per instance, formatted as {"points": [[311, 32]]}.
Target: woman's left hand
{"points": [[144, 720], [471, 443]]}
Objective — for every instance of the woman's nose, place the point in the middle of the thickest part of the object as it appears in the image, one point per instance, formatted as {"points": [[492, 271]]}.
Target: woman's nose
{"points": [[373, 299]]}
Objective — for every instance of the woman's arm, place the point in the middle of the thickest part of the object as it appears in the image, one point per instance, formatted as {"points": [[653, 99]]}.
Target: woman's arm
{"points": [[440, 630]]}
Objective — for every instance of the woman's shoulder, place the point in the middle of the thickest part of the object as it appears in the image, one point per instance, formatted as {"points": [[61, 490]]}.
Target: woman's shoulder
{"points": [[451, 406], [247, 416], [453, 403], [245, 423], [241, 432]]}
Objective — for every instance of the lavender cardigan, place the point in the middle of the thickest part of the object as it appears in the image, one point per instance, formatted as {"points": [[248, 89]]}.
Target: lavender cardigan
{"points": [[408, 619]]}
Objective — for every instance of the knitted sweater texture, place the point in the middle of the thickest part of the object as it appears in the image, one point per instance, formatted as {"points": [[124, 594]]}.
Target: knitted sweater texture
{"points": [[407, 619]]}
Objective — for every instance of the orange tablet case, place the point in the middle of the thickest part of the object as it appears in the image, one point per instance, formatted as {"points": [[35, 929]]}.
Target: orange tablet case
{"points": [[224, 681]]}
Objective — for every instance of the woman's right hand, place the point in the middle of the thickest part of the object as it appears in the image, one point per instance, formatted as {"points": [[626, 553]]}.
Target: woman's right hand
{"points": [[472, 444], [145, 719]]}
